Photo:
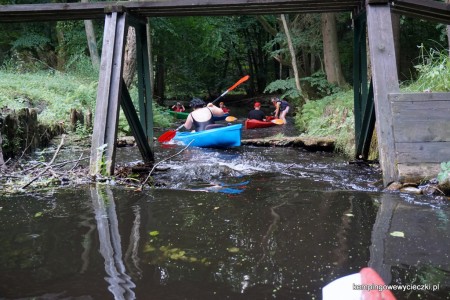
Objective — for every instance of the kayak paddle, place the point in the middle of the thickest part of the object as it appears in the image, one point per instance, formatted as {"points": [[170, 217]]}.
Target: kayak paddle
{"points": [[168, 135], [245, 78], [277, 121]]}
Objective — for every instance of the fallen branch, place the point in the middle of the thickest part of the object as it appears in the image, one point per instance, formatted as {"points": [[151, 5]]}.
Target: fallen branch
{"points": [[49, 165]]}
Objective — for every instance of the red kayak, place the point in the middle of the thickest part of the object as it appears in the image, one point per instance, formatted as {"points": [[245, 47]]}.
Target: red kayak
{"points": [[252, 123]]}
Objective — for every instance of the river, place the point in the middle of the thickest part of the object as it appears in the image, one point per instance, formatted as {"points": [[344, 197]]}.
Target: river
{"points": [[243, 223]]}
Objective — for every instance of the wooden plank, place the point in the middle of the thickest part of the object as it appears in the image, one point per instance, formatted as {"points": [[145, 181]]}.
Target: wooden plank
{"points": [[421, 117], [115, 92], [96, 10], [385, 81], [399, 97], [410, 131], [427, 152], [100, 119], [418, 171], [108, 93]]}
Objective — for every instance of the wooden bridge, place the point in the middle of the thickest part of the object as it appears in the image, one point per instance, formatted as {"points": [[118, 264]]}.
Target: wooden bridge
{"points": [[413, 135]]}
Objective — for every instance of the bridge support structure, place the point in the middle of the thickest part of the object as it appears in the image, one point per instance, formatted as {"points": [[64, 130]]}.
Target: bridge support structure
{"points": [[412, 128], [112, 93], [364, 109]]}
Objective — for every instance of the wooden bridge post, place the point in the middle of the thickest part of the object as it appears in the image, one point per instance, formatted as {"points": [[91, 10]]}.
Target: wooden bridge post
{"points": [[143, 72], [113, 92], [385, 81], [103, 148], [363, 94]]}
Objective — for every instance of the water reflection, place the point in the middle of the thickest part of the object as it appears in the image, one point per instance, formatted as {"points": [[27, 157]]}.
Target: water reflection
{"points": [[247, 223], [411, 244], [120, 284]]}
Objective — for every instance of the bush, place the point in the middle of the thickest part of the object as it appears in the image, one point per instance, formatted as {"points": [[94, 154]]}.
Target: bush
{"points": [[330, 116]]}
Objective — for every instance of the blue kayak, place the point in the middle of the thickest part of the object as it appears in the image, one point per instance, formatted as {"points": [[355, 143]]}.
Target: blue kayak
{"points": [[222, 137]]}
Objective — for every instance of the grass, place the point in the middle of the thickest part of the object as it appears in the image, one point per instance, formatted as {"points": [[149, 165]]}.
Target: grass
{"points": [[334, 115], [55, 93]]}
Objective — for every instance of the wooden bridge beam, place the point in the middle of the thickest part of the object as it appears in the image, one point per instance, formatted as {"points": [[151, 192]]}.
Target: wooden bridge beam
{"points": [[385, 81]]}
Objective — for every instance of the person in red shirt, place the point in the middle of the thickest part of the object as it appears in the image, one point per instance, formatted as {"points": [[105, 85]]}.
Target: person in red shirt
{"points": [[224, 108], [178, 107]]}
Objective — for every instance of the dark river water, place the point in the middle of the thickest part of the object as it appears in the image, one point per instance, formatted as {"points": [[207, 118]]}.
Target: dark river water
{"points": [[244, 223]]}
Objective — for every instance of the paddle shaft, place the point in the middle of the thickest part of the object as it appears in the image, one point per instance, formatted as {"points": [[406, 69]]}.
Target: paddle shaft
{"points": [[245, 78]]}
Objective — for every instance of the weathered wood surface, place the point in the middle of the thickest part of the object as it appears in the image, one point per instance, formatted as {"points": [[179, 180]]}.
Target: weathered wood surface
{"points": [[422, 133], [309, 143], [417, 172], [426, 9], [385, 81], [421, 117], [96, 10], [108, 93], [426, 152]]}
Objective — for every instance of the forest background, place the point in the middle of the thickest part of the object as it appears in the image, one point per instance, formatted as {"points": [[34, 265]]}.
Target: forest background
{"points": [[305, 58]]}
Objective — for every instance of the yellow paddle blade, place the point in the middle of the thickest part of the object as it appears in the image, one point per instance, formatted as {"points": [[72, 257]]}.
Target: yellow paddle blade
{"points": [[230, 119], [277, 121]]}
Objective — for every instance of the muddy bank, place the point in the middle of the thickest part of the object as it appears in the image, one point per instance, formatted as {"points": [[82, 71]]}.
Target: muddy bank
{"points": [[22, 133]]}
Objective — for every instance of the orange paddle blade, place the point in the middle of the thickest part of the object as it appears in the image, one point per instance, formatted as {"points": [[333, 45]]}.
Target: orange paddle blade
{"points": [[167, 136], [230, 119], [245, 78], [277, 121]]}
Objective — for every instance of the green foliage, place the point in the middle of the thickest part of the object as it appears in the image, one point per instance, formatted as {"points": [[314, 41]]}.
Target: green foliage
{"points": [[444, 174], [330, 116], [320, 84], [80, 65], [433, 71], [54, 94], [82, 131], [287, 87]]}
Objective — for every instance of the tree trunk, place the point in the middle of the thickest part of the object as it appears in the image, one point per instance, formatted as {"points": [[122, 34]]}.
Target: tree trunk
{"points": [[92, 42], [2, 162], [330, 50], [159, 79], [292, 52], [129, 66], [61, 53], [150, 57]]}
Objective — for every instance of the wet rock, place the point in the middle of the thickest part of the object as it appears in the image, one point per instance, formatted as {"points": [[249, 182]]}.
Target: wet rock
{"points": [[430, 189], [394, 186], [126, 141], [411, 190]]}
